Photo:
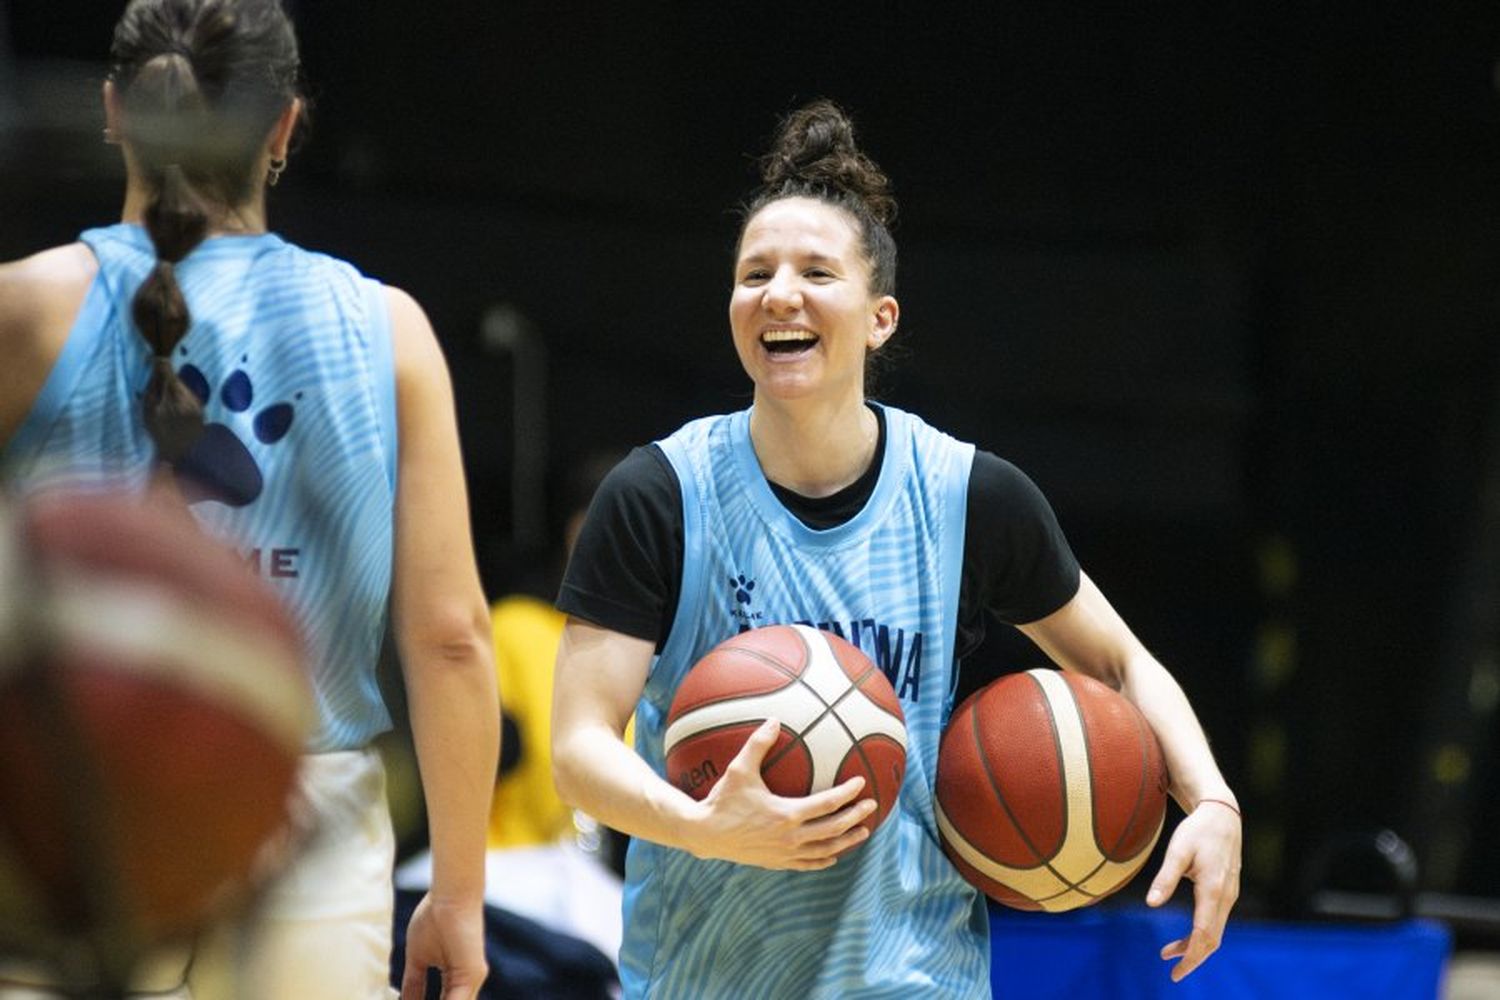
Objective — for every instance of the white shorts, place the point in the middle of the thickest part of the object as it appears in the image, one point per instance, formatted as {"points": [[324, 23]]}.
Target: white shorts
{"points": [[321, 931]]}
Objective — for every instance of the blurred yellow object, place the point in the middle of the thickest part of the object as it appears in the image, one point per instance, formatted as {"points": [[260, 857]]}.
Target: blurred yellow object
{"points": [[526, 810]]}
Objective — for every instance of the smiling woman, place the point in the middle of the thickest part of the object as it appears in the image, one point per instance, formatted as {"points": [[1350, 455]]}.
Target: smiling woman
{"points": [[860, 519], [803, 311], [837, 268]]}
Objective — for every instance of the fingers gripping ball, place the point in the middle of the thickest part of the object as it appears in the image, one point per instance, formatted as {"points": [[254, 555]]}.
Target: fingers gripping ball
{"points": [[153, 707], [839, 716], [1051, 790]]}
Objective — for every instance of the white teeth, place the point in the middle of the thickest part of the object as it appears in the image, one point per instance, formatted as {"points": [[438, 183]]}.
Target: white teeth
{"points": [[783, 336]]}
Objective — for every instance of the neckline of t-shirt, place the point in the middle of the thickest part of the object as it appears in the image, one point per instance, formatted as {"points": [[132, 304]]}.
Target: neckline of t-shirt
{"points": [[779, 517], [852, 497]]}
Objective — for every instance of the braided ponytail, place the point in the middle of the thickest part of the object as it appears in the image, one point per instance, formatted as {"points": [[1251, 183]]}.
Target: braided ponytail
{"points": [[203, 83], [177, 221]]}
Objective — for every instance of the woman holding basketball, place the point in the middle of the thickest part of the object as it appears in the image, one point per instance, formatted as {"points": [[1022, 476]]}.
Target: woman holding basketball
{"points": [[305, 415], [818, 505]]}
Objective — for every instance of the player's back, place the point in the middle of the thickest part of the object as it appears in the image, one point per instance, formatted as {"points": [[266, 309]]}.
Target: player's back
{"points": [[290, 353]]}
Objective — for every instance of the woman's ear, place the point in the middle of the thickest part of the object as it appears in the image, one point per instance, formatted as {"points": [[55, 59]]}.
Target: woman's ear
{"points": [[887, 314], [111, 113], [286, 126]]}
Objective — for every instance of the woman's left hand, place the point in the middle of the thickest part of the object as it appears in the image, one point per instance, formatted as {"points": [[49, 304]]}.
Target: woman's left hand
{"points": [[1206, 848], [448, 937]]}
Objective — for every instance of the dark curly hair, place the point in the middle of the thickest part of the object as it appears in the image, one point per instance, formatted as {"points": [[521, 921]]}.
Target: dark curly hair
{"points": [[814, 155]]}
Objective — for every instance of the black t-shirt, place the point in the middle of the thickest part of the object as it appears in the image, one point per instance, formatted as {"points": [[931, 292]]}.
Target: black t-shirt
{"points": [[626, 566]]}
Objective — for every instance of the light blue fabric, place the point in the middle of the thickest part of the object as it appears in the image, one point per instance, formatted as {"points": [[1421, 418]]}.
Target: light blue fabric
{"points": [[291, 352], [892, 918]]}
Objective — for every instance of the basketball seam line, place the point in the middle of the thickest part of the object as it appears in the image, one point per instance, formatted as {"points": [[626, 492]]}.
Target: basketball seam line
{"points": [[857, 745], [777, 665], [989, 776], [1140, 791], [773, 759], [1070, 885], [829, 708]]}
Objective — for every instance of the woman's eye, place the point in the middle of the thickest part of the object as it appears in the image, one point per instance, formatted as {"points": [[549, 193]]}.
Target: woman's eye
{"points": [[752, 276]]}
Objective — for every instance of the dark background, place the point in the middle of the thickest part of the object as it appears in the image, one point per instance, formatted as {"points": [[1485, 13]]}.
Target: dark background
{"points": [[1221, 277]]}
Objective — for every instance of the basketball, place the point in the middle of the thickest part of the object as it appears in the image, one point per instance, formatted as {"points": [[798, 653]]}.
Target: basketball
{"points": [[153, 707], [839, 716], [1051, 790]]}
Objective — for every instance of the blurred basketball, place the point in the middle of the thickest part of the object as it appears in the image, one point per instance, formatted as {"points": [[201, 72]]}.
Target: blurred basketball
{"points": [[153, 707], [1051, 790], [839, 716]]}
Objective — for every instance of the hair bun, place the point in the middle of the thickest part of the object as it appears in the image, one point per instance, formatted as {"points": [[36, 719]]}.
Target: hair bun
{"points": [[815, 148]]}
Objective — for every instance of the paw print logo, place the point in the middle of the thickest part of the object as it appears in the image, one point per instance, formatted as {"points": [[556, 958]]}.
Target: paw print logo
{"points": [[219, 466], [741, 587]]}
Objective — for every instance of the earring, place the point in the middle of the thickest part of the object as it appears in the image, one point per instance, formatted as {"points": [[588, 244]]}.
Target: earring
{"points": [[110, 139], [273, 175]]}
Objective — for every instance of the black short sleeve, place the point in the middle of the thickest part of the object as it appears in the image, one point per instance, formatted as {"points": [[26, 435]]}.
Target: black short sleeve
{"points": [[625, 571], [626, 566], [1018, 565]]}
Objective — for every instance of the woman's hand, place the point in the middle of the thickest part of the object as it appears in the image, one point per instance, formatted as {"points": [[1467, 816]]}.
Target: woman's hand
{"points": [[1206, 848], [742, 820]]}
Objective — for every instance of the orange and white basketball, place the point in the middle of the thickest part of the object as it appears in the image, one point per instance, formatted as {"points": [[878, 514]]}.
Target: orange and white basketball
{"points": [[153, 709], [839, 717], [1051, 790]]}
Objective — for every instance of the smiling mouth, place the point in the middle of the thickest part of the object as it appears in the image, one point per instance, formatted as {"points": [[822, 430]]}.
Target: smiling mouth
{"points": [[788, 341]]}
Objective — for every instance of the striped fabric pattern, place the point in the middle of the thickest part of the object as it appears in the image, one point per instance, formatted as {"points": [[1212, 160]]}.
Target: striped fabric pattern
{"points": [[292, 351], [892, 918]]}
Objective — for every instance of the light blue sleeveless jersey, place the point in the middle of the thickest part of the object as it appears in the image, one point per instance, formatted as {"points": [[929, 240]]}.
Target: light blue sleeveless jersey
{"points": [[291, 351], [893, 918]]}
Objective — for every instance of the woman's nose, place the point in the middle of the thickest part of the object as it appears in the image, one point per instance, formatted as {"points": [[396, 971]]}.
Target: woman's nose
{"points": [[782, 293]]}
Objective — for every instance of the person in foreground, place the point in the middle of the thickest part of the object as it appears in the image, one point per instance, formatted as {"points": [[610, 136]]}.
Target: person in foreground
{"points": [[304, 414], [818, 505]]}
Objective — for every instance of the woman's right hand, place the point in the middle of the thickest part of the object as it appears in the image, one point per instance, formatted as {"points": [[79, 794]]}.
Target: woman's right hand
{"points": [[744, 821]]}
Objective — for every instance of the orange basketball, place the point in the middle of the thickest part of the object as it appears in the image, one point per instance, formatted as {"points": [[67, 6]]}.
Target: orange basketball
{"points": [[153, 707], [839, 716], [1051, 790]]}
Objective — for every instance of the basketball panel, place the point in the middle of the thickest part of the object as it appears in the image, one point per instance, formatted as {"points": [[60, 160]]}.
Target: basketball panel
{"points": [[697, 762], [1127, 772], [149, 544], [781, 644], [728, 672], [881, 761], [865, 675], [154, 791], [788, 769], [999, 776], [999, 893]]}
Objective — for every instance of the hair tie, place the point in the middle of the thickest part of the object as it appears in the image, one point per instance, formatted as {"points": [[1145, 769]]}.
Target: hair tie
{"points": [[1227, 805]]}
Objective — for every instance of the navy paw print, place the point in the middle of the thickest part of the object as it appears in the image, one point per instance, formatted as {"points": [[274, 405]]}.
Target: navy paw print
{"points": [[742, 588], [219, 466]]}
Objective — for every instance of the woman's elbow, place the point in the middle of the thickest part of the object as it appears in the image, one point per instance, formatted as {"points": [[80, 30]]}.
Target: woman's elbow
{"points": [[454, 637], [566, 773]]}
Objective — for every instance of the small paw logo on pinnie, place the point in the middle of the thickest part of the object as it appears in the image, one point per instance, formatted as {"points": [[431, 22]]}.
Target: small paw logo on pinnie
{"points": [[742, 588], [219, 466]]}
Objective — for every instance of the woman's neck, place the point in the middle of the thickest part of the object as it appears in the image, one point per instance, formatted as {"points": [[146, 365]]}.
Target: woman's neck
{"points": [[815, 450], [248, 218]]}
